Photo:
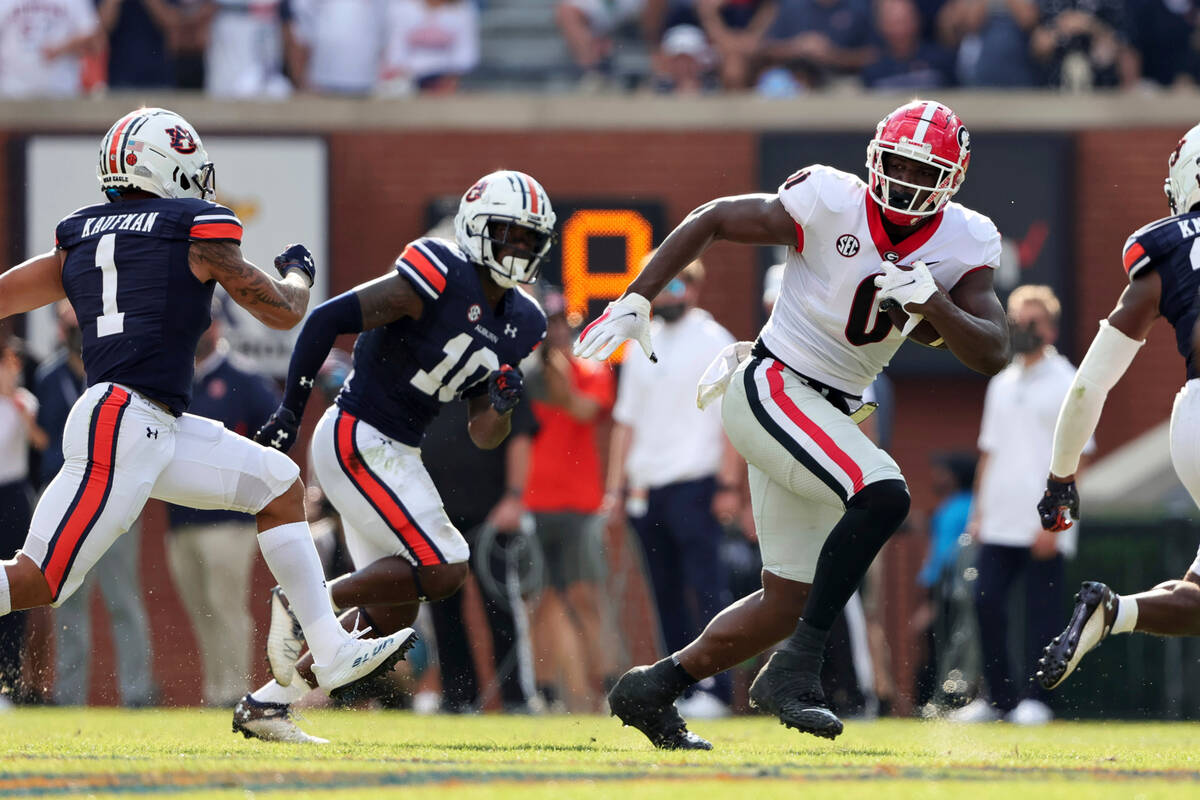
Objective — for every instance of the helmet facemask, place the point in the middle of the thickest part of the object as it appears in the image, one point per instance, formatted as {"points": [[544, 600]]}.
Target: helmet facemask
{"points": [[522, 248], [906, 203]]}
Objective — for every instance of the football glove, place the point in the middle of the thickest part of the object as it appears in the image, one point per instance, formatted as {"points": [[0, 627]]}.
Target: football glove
{"points": [[1059, 506], [625, 318], [899, 286], [505, 387], [297, 257], [279, 431]]}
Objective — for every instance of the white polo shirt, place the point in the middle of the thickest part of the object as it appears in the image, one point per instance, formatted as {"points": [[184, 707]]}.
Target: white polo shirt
{"points": [[27, 29], [14, 440], [673, 440], [1020, 411]]}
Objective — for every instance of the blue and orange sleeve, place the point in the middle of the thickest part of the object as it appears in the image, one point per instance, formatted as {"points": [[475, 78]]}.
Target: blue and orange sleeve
{"points": [[219, 223]]}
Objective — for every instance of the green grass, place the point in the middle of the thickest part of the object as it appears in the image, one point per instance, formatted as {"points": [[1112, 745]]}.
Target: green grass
{"points": [[189, 753]]}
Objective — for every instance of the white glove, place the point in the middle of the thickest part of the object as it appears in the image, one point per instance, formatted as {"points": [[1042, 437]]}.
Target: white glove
{"points": [[625, 318], [902, 286]]}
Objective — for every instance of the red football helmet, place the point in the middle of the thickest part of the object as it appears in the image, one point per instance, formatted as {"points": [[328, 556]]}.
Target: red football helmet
{"points": [[925, 131]]}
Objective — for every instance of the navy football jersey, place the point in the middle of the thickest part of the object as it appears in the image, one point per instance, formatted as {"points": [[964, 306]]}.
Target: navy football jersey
{"points": [[139, 306], [405, 370], [1170, 246]]}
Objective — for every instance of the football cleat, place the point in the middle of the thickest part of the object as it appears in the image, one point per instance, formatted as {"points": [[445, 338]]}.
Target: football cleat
{"points": [[640, 703], [794, 695], [285, 639], [1091, 621], [361, 659], [271, 722]]}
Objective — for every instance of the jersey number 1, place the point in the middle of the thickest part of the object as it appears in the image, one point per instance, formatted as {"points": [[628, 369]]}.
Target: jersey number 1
{"points": [[111, 321]]}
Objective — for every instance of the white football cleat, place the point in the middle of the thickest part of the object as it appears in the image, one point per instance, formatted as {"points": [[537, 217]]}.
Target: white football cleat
{"points": [[358, 659], [978, 710], [271, 722], [1091, 621], [285, 639]]}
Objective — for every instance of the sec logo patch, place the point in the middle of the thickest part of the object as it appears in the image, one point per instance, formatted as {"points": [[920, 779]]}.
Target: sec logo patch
{"points": [[474, 313], [847, 245]]}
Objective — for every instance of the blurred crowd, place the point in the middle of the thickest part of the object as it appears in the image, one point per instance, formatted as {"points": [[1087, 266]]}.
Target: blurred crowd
{"points": [[777, 48]]}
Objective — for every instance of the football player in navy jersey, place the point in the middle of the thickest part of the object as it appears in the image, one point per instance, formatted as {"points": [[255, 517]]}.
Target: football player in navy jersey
{"points": [[139, 271], [447, 320], [1162, 260]]}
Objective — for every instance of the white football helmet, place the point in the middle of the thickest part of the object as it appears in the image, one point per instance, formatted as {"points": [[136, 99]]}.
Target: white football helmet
{"points": [[157, 151], [489, 212], [1183, 173]]}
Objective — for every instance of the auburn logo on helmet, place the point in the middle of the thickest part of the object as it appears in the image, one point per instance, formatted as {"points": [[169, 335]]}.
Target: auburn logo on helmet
{"points": [[475, 192], [182, 140]]}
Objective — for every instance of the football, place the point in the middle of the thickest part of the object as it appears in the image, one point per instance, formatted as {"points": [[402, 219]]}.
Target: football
{"points": [[924, 333]]}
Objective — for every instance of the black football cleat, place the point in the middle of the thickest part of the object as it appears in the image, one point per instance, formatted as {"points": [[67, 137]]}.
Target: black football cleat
{"points": [[1091, 621], [640, 702], [794, 695]]}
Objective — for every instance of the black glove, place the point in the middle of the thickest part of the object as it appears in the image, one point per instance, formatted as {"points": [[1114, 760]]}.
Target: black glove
{"points": [[296, 256], [279, 431], [1059, 506], [505, 387]]}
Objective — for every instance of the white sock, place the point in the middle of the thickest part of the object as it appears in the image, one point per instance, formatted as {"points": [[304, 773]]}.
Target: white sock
{"points": [[272, 692], [292, 558], [5, 598], [1127, 613]]}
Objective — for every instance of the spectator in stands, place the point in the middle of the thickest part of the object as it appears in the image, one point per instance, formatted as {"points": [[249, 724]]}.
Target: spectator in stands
{"points": [[814, 41], [679, 474], [1164, 34], [141, 38], [430, 44], [60, 381], [588, 27], [1084, 44], [904, 60], [684, 61], [41, 42], [573, 621], [734, 29], [340, 45], [18, 432], [248, 44], [992, 41], [1019, 412], [482, 488], [211, 553]]}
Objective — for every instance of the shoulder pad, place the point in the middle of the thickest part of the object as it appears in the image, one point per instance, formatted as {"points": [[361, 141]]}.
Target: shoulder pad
{"points": [[1147, 243], [426, 263], [214, 221]]}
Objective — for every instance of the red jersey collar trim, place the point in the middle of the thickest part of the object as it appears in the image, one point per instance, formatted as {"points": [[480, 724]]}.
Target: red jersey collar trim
{"points": [[904, 247]]}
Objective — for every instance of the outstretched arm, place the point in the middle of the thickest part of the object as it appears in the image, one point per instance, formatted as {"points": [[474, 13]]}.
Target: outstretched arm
{"points": [[32, 284], [1110, 354], [745, 219], [275, 303]]}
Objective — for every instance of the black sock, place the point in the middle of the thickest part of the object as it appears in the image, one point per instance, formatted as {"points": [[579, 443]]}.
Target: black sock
{"points": [[805, 648], [871, 517], [672, 676], [549, 693]]}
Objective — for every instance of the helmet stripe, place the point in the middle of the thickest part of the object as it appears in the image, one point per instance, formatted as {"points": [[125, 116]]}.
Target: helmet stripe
{"points": [[112, 145], [533, 198], [927, 115], [129, 130]]}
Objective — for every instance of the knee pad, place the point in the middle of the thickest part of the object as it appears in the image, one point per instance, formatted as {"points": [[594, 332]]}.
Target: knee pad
{"points": [[883, 499]]}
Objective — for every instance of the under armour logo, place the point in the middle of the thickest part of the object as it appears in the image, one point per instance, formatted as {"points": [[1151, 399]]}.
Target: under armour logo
{"points": [[279, 440], [306, 383], [151, 433], [510, 330]]}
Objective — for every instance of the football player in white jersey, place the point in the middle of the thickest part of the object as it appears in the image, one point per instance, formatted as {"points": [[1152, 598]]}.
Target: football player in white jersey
{"points": [[825, 497]]}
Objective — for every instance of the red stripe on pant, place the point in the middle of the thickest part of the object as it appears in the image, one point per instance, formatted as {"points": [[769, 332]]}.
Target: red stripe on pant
{"points": [[810, 428], [378, 495], [90, 503]]}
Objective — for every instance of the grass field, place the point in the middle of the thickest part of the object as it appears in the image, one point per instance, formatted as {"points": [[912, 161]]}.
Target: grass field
{"points": [[189, 753]]}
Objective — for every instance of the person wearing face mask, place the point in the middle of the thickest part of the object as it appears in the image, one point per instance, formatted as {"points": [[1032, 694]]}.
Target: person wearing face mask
{"points": [[1019, 412], [681, 477]]}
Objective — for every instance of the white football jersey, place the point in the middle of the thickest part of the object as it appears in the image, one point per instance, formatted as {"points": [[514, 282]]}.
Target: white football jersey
{"points": [[826, 324]]}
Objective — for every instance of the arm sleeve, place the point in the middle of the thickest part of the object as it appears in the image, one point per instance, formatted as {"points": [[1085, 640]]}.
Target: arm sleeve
{"points": [[1107, 359], [342, 314]]}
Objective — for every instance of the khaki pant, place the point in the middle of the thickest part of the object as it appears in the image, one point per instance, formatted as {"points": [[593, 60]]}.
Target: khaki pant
{"points": [[211, 566]]}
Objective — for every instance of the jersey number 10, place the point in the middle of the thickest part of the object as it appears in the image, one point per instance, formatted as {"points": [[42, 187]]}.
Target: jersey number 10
{"points": [[434, 382]]}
